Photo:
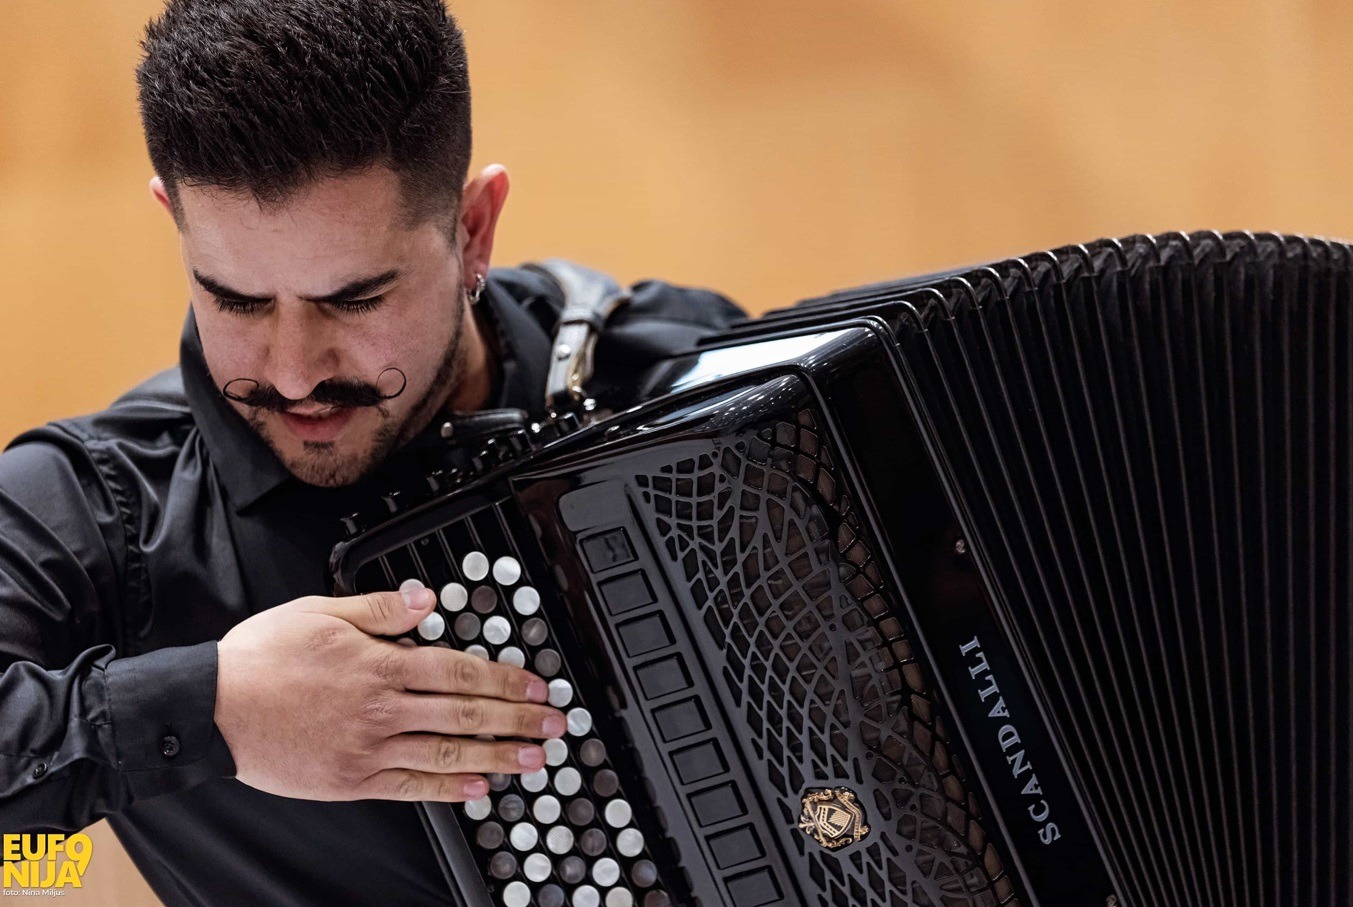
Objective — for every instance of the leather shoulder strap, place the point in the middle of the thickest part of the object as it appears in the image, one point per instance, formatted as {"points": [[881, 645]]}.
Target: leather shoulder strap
{"points": [[590, 299]]}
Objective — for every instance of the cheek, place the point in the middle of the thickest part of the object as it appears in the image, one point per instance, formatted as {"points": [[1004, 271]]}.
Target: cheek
{"points": [[418, 343], [371, 348], [233, 347]]}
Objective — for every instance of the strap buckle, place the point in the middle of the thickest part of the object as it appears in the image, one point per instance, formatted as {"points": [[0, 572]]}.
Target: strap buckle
{"points": [[590, 299]]}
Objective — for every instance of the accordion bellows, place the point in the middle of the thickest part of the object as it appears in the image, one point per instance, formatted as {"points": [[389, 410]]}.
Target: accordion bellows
{"points": [[1026, 583], [1151, 441]]}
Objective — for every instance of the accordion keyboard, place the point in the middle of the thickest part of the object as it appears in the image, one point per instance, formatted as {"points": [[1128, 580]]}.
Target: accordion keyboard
{"points": [[749, 722], [564, 834]]}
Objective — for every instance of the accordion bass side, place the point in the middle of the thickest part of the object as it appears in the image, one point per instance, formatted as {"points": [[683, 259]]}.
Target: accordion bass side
{"points": [[1023, 584]]}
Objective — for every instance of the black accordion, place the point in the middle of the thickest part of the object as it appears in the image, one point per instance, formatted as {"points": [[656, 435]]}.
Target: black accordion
{"points": [[1021, 584]]}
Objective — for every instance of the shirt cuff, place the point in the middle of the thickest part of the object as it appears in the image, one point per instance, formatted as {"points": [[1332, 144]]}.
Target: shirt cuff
{"points": [[163, 707]]}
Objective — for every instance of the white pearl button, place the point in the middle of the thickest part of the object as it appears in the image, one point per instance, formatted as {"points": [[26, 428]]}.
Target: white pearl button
{"points": [[537, 867], [556, 752], [526, 600], [561, 693], [606, 872], [618, 814], [432, 626], [454, 596], [475, 566], [559, 839], [523, 836], [579, 721], [546, 810], [630, 842], [506, 570], [497, 630], [567, 781]]}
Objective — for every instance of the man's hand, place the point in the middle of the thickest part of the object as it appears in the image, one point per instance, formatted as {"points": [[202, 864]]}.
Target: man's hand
{"points": [[312, 705]]}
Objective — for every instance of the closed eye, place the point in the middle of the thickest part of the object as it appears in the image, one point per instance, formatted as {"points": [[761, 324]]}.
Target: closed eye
{"points": [[235, 306], [238, 306], [358, 306]]}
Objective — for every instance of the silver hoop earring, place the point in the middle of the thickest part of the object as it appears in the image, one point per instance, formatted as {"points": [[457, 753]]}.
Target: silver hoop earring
{"points": [[478, 290]]}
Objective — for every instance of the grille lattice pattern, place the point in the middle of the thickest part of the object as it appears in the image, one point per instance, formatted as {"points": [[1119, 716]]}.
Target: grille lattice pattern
{"points": [[820, 666]]}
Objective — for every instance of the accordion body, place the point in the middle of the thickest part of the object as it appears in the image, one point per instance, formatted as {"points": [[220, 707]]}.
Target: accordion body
{"points": [[1021, 584]]}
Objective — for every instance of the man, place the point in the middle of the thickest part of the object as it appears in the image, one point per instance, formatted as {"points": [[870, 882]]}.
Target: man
{"points": [[314, 155]]}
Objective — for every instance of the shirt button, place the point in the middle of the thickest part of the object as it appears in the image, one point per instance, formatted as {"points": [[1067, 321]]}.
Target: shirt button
{"points": [[169, 746], [39, 770]]}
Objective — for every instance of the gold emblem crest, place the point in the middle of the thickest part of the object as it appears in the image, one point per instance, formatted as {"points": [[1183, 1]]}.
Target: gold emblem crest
{"points": [[832, 817]]}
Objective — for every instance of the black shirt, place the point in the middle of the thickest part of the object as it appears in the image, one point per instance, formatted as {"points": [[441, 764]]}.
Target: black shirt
{"points": [[132, 539]]}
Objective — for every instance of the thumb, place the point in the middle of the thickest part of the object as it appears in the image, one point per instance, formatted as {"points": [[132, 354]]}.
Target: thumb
{"points": [[382, 613]]}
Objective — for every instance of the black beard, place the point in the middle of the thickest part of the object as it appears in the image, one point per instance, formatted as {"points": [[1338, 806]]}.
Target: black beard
{"points": [[450, 373]]}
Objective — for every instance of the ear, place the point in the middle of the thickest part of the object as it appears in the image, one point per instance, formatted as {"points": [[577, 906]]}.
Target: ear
{"points": [[481, 203], [158, 191]]}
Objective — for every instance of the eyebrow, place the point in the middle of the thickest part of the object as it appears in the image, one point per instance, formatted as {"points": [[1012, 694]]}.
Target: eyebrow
{"points": [[353, 289]]}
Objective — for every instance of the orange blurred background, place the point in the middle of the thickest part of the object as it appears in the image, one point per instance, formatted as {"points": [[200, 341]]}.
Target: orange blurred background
{"points": [[772, 150]]}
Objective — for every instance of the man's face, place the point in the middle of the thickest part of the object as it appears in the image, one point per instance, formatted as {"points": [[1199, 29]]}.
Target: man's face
{"points": [[318, 305]]}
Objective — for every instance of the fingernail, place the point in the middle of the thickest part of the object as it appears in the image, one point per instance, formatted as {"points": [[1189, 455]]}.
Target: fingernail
{"points": [[416, 597], [554, 726], [530, 757], [537, 691], [476, 789]]}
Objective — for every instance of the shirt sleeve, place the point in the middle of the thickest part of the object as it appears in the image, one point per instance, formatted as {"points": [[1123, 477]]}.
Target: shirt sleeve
{"points": [[85, 732]]}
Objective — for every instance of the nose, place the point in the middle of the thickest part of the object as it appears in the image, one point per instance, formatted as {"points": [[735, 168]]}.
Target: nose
{"points": [[300, 351]]}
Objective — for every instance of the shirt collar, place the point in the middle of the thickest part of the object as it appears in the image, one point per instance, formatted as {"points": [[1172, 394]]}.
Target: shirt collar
{"points": [[249, 469], [523, 351]]}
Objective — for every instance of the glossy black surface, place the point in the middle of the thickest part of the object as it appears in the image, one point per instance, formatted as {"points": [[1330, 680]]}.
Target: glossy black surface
{"points": [[1064, 539]]}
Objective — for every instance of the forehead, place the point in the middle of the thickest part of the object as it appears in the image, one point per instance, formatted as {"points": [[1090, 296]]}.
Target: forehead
{"points": [[355, 220]]}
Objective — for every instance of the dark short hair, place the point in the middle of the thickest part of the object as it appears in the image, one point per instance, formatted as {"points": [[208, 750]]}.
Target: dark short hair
{"points": [[267, 96]]}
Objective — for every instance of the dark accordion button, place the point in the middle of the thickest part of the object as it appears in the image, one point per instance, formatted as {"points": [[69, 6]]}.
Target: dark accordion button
{"points": [[581, 812], [503, 865], [657, 899], [498, 781], [593, 753], [467, 627], [605, 783], [511, 808], [551, 896], [593, 842], [483, 599], [572, 870], [534, 631], [547, 663], [644, 875], [490, 836]]}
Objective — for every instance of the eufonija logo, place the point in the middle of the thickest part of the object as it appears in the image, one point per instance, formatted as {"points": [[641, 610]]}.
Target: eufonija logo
{"points": [[1008, 737], [45, 864]]}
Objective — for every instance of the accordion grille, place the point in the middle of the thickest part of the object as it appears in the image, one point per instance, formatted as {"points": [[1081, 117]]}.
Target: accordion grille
{"points": [[1151, 442], [781, 569]]}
